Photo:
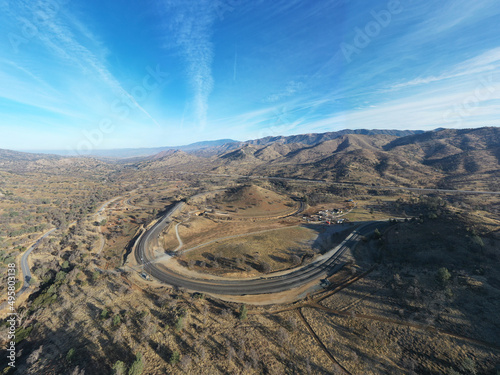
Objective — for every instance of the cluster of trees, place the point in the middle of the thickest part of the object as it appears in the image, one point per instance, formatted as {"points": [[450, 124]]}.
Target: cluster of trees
{"points": [[38, 214], [424, 206], [26, 230], [136, 368]]}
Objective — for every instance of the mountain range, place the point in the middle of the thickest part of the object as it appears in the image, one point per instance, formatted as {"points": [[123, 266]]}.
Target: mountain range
{"points": [[439, 158], [444, 158], [209, 148]]}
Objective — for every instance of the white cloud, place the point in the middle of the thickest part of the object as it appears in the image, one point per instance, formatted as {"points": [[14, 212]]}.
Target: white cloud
{"points": [[454, 106], [192, 27], [61, 41], [486, 62], [291, 88]]}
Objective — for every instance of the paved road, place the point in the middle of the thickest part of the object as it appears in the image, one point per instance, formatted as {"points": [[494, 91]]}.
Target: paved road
{"points": [[24, 259], [323, 266], [24, 263], [302, 207], [154, 232], [25, 269], [376, 187], [105, 204]]}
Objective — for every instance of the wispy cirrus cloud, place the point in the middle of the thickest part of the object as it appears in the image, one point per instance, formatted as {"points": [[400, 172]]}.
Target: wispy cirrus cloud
{"points": [[57, 35], [485, 62], [191, 23], [455, 106], [291, 88]]}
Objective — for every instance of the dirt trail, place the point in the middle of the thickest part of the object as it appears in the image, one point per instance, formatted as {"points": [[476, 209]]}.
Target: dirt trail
{"points": [[423, 327], [344, 285], [314, 303], [318, 340], [237, 236]]}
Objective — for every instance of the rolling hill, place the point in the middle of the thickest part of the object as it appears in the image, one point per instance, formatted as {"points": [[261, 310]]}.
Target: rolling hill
{"points": [[444, 158], [23, 162], [441, 158]]}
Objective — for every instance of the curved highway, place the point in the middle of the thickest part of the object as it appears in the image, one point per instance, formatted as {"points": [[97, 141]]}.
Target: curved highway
{"points": [[322, 267], [349, 183], [24, 262]]}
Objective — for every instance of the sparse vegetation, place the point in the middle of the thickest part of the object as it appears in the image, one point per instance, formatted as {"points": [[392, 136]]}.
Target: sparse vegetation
{"points": [[119, 368], [117, 320], [443, 275], [438, 269], [137, 367], [243, 312], [70, 356], [175, 357]]}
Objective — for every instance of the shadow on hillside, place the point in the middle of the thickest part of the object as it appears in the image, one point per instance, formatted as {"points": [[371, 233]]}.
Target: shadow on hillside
{"points": [[53, 358], [408, 285]]}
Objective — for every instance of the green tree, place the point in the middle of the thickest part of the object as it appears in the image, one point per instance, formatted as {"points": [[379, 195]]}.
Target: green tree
{"points": [[138, 366], [179, 324], [243, 312], [175, 357], [477, 241], [468, 366], [104, 313], [117, 320], [60, 276], [119, 368], [70, 356], [443, 275]]}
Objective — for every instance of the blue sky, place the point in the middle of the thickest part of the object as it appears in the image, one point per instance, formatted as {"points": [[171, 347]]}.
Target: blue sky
{"points": [[112, 74]]}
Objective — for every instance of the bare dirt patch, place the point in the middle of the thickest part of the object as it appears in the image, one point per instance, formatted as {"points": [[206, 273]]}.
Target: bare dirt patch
{"points": [[252, 201], [266, 251]]}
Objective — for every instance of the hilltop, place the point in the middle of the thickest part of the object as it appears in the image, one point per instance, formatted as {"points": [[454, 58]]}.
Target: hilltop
{"points": [[441, 158], [444, 158], [23, 162]]}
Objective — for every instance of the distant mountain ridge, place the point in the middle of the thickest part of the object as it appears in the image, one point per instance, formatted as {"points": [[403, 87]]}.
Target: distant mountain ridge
{"points": [[219, 146], [444, 158], [19, 155], [22, 162], [315, 138], [138, 152], [310, 139]]}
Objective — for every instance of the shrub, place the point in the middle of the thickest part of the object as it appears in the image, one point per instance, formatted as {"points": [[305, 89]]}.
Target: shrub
{"points": [[175, 357], [468, 366], [104, 313], [443, 275], [119, 368], [243, 312], [137, 367], [117, 320], [266, 267], [60, 276], [70, 355], [22, 333], [179, 324]]}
